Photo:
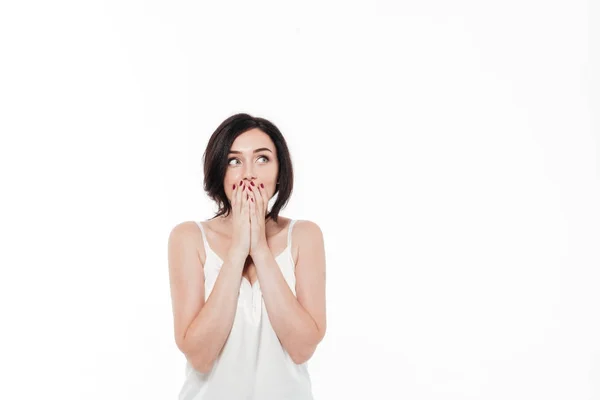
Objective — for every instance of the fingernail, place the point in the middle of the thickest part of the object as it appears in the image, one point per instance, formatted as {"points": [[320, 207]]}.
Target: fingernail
{"points": [[234, 185], [252, 199], [241, 182], [252, 183], [262, 186]]}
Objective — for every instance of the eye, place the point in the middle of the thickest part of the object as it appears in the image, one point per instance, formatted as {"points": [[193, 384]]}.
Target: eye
{"points": [[231, 159]]}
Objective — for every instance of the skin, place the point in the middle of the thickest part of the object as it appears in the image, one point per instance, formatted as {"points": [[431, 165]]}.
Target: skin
{"points": [[299, 321], [256, 172]]}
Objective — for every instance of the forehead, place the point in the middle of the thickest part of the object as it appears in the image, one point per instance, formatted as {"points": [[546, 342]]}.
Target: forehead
{"points": [[252, 139]]}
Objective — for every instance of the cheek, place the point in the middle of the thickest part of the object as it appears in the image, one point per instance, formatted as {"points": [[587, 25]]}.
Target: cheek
{"points": [[231, 179]]}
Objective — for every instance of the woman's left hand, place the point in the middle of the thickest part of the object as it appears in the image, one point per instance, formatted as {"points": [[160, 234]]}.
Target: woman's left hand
{"points": [[258, 210]]}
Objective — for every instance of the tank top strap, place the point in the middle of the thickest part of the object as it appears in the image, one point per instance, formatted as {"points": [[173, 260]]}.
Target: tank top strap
{"points": [[289, 240], [204, 240]]}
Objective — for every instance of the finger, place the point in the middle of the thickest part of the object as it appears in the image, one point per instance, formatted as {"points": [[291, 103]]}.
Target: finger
{"points": [[252, 191], [248, 197], [258, 200], [235, 198], [252, 196], [247, 202], [252, 209], [233, 195], [262, 197], [240, 198]]}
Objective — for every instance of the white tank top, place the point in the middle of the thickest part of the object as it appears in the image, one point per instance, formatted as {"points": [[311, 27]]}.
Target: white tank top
{"points": [[252, 365]]}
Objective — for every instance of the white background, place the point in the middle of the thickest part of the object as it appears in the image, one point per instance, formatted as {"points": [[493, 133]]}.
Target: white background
{"points": [[448, 151]]}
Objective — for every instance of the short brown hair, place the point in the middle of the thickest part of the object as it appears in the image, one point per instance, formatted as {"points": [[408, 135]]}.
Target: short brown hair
{"points": [[215, 161]]}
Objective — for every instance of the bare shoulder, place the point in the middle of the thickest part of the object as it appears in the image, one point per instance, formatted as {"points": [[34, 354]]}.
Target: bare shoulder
{"points": [[307, 234], [187, 234], [187, 229], [306, 228]]}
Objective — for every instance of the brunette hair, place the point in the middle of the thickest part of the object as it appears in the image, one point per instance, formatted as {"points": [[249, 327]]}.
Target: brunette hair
{"points": [[215, 161]]}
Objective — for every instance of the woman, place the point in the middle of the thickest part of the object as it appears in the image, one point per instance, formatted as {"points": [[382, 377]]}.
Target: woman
{"points": [[247, 286]]}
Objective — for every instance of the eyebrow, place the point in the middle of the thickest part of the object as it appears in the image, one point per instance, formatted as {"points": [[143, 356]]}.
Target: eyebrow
{"points": [[255, 151]]}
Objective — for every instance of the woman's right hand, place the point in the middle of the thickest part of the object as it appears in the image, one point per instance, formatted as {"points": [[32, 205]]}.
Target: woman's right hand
{"points": [[240, 209]]}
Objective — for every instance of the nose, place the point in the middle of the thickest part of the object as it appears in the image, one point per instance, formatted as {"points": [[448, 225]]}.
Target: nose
{"points": [[249, 173]]}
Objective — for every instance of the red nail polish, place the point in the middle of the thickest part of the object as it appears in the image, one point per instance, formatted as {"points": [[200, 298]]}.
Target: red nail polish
{"points": [[262, 186], [252, 183], [252, 200], [234, 186]]}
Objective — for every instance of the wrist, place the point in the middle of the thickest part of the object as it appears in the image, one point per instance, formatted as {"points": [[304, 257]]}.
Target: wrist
{"points": [[237, 258], [260, 251]]}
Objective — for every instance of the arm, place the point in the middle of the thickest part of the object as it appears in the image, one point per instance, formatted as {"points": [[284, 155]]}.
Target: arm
{"points": [[201, 328], [299, 321]]}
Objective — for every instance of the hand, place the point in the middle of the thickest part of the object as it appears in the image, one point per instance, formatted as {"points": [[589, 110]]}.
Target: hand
{"points": [[259, 202], [240, 209]]}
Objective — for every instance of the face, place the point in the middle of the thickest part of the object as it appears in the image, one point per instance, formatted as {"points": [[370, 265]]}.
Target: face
{"points": [[252, 158]]}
